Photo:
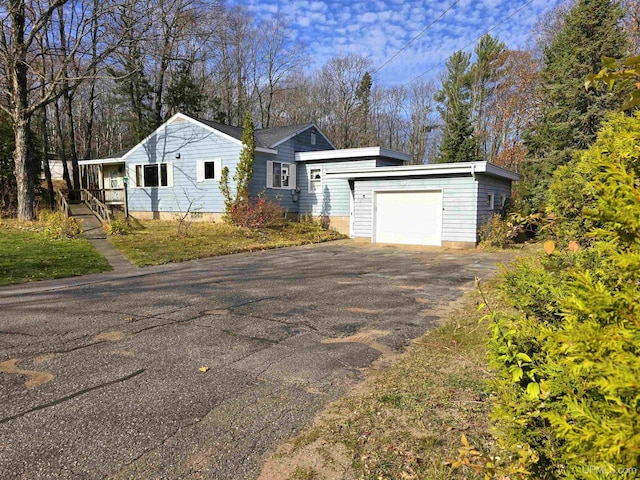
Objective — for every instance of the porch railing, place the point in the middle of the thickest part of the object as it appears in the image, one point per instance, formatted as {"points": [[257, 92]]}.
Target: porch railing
{"points": [[99, 208], [61, 203]]}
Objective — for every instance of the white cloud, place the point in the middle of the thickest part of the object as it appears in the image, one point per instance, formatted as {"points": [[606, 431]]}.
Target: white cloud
{"points": [[378, 29]]}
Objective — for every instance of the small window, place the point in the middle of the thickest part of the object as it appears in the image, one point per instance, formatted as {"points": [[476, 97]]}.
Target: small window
{"points": [[150, 175], [209, 170], [490, 204], [313, 138], [315, 180]]}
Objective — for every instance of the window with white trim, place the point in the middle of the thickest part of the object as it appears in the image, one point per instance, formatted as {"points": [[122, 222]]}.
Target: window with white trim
{"points": [[209, 170], [490, 202], [281, 175], [315, 180], [154, 175]]}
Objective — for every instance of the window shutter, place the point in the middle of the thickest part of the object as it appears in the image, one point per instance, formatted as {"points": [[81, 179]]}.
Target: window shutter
{"points": [[169, 174], [218, 167], [200, 171], [269, 174], [131, 174], [292, 176]]}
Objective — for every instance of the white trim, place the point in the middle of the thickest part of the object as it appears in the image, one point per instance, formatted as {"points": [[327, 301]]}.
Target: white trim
{"points": [[132, 167], [351, 153], [101, 161], [423, 170], [314, 167], [395, 189], [304, 129]]}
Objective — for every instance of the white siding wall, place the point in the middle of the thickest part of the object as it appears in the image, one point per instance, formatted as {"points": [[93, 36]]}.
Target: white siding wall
{"points": [[459, 204], [193, 143]]}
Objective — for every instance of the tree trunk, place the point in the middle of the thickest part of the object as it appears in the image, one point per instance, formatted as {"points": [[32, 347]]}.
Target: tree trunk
{"points": [[20, 112]]}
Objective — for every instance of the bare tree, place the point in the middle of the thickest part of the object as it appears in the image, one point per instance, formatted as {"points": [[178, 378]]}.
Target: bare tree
{"points": [[22, 22], [275, 56]]}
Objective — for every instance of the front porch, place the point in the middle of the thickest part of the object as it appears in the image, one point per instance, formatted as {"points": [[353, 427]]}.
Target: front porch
{"points": [[104, 179]]}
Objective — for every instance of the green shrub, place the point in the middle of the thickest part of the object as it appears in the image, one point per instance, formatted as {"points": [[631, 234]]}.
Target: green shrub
{"points": [[497, 232], [119, 226], [568, 362], [58, 225]]}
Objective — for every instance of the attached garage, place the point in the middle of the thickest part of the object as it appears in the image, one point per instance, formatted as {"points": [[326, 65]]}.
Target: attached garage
{"points": [[441, 204], [408, 217]]}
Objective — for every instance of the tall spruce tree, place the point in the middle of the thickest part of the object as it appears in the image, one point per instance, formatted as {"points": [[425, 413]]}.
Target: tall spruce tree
{"points": [[459, 143], [572, 115]]}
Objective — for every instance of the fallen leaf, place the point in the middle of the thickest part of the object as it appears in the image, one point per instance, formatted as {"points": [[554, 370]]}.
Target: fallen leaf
{"points": [[204, 369], [574, 246], [549, 247]]}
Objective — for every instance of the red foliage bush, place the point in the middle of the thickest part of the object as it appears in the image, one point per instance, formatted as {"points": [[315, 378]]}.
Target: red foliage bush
{"points": [[256, 213]]}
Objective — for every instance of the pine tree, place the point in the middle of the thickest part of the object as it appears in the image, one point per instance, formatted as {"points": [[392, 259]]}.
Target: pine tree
{"points": [[572, 114], [184, 95], [459, 143]]}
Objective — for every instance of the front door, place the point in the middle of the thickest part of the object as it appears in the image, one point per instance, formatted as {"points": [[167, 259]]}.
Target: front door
{"points": [[114, 183]]}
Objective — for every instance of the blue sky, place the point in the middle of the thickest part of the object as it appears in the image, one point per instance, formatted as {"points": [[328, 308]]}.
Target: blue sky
{"points": [[378, 29]]}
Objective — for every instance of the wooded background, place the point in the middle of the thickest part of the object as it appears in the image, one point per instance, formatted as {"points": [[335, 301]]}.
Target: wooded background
{"points": [[86, 78]]}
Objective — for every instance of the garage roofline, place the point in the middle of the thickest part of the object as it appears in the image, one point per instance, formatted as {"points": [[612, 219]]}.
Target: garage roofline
{"points": [[470, 168], [352, 153]]}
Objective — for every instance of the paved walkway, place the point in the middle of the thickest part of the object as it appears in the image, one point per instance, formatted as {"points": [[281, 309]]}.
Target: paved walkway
{"points": [[92, 230]]}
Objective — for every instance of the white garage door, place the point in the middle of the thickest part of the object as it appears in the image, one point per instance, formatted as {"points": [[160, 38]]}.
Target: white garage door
{"points": [[412, 218]]}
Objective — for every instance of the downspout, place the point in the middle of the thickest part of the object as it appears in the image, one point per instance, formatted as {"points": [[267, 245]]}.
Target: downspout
{"points": [[473, 171]]}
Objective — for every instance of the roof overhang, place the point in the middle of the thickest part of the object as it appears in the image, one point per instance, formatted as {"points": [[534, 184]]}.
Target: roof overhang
{"points": [[352, 153], [461, 168], [101, 161]]}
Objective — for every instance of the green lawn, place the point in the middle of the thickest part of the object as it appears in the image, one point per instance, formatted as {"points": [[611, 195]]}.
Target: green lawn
{"points": [[27, 255], [156, 242]]}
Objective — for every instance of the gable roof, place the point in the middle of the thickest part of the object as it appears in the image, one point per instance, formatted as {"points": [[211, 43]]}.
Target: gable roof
{"points": [[265, 137]]}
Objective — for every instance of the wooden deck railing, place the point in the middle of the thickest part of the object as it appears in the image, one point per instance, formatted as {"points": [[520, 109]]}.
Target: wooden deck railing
{"points": [[61, 203], [100, 209]]}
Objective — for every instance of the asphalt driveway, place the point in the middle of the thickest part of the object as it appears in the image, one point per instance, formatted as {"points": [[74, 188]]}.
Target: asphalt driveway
{"points": [[104, 379]]}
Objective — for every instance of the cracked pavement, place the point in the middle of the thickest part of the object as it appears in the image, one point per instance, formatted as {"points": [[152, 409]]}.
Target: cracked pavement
{"points": [[102, 380]]}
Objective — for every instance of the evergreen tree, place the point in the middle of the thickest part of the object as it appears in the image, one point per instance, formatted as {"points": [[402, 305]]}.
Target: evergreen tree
{"points": [[184, 94], [459, 143], [485, 75], [572, 115], [244, 171]]}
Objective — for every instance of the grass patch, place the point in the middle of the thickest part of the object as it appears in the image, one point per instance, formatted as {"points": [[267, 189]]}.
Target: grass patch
{"points": [[156, 242], [27, 254], [406, 422]]}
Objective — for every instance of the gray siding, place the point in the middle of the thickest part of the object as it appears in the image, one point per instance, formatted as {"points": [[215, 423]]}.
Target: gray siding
{"points": [[459, 204], [334, 199], [193, 143], [286, 154], [490, 185], [302, 142], [259, 181]]}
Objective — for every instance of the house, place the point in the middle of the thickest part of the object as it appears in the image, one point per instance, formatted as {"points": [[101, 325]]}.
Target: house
{"points": [[364, 192]]}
